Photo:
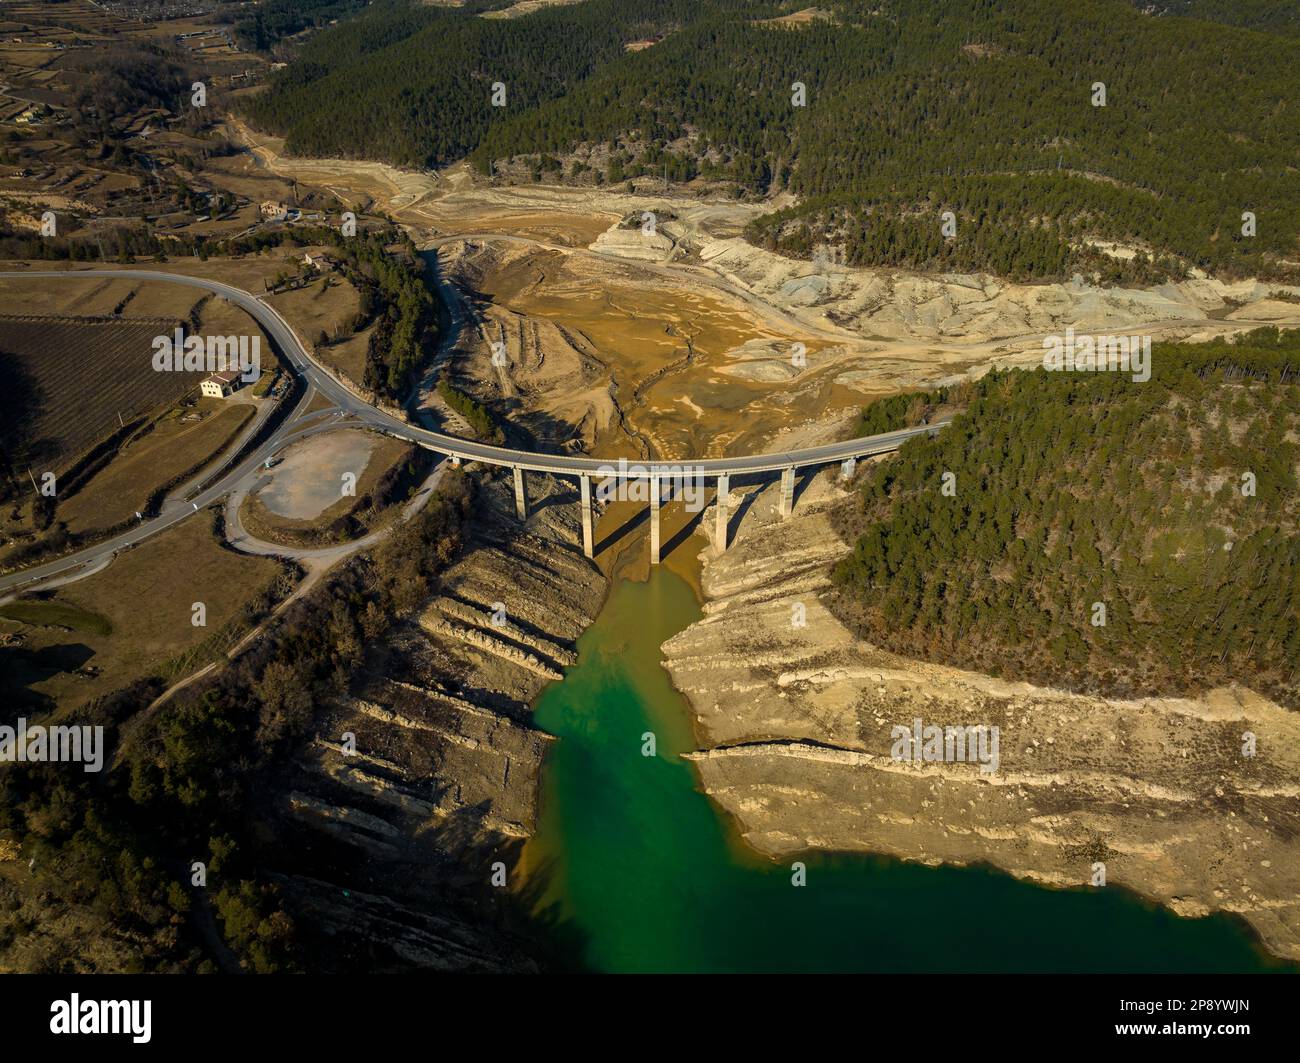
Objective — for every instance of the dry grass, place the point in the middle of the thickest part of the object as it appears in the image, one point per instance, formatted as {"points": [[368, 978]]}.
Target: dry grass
{"points": [[526, 7], [796, 19], [96, 296], [121, 488], [348, 356], [324, 306], [147, 596]]}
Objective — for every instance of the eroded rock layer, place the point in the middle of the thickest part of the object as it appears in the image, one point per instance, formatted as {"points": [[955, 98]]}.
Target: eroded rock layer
{"points": [[423, 777], [796, 721]]}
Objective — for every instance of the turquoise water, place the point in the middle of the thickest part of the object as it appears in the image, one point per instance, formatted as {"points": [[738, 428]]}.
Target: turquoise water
{"points": [[641, 872]]}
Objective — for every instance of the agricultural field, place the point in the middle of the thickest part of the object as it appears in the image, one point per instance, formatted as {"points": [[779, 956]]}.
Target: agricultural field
{"points": [[97, 125], [326, 308], [47, 44], [214, 316], [97, 297], [66, 382], [178, 442], [131, 620], [81, 355]]}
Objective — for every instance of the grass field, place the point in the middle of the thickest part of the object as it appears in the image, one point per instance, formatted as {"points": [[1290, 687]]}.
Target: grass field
{"points": [[322, 307], [57, 614], [348, 356], [174, 446], [146, 598], [325, 309]]}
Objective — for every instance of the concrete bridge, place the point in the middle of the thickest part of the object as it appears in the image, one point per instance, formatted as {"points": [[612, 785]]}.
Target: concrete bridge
{"points": [[360, 413], [596, 476]]}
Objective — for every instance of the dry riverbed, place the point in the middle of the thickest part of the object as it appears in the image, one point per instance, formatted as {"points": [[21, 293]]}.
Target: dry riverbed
{"points": [[868, 331]]}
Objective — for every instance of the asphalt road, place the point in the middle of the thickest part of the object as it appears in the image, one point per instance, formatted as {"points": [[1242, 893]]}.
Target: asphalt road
{"points": [[357, 412]]}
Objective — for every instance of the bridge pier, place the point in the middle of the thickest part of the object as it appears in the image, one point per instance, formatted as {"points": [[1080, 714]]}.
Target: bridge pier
{"points": [[521, 495], [588, 538], [787, 491], [455, 462], [720, 528], [654, 518]]}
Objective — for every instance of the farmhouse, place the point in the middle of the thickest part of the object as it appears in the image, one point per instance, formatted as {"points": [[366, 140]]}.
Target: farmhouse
{"points": [[318, 262], [272, 209], [219, 385]]}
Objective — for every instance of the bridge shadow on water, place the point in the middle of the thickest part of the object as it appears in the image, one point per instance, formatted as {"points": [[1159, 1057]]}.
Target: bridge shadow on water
{"points": [[641, 516]]}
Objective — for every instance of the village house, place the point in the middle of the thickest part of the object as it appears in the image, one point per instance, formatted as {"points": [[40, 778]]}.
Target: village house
{"points": [[220, 385]]}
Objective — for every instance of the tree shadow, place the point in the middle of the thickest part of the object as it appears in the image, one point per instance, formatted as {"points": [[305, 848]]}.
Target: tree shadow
{"points": [[447, 893], [526, 906], [22, 669], [22, 404]]}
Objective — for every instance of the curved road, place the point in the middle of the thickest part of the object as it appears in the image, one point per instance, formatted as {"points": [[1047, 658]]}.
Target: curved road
{"points": [[355, 411]]}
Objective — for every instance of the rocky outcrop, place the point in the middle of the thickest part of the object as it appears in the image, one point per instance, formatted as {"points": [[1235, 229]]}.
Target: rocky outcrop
{"points": [[501, 623], [425, 773], [797, 719], [479, 638], [647, 245], [439, 724]]}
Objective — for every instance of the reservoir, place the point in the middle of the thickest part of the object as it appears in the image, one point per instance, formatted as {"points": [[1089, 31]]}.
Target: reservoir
{"points": [[636, 870]]}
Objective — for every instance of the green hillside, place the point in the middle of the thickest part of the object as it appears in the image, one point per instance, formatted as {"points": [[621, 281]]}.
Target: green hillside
{"points": [[979, 107], [1268, 16], [1071, 489]]}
